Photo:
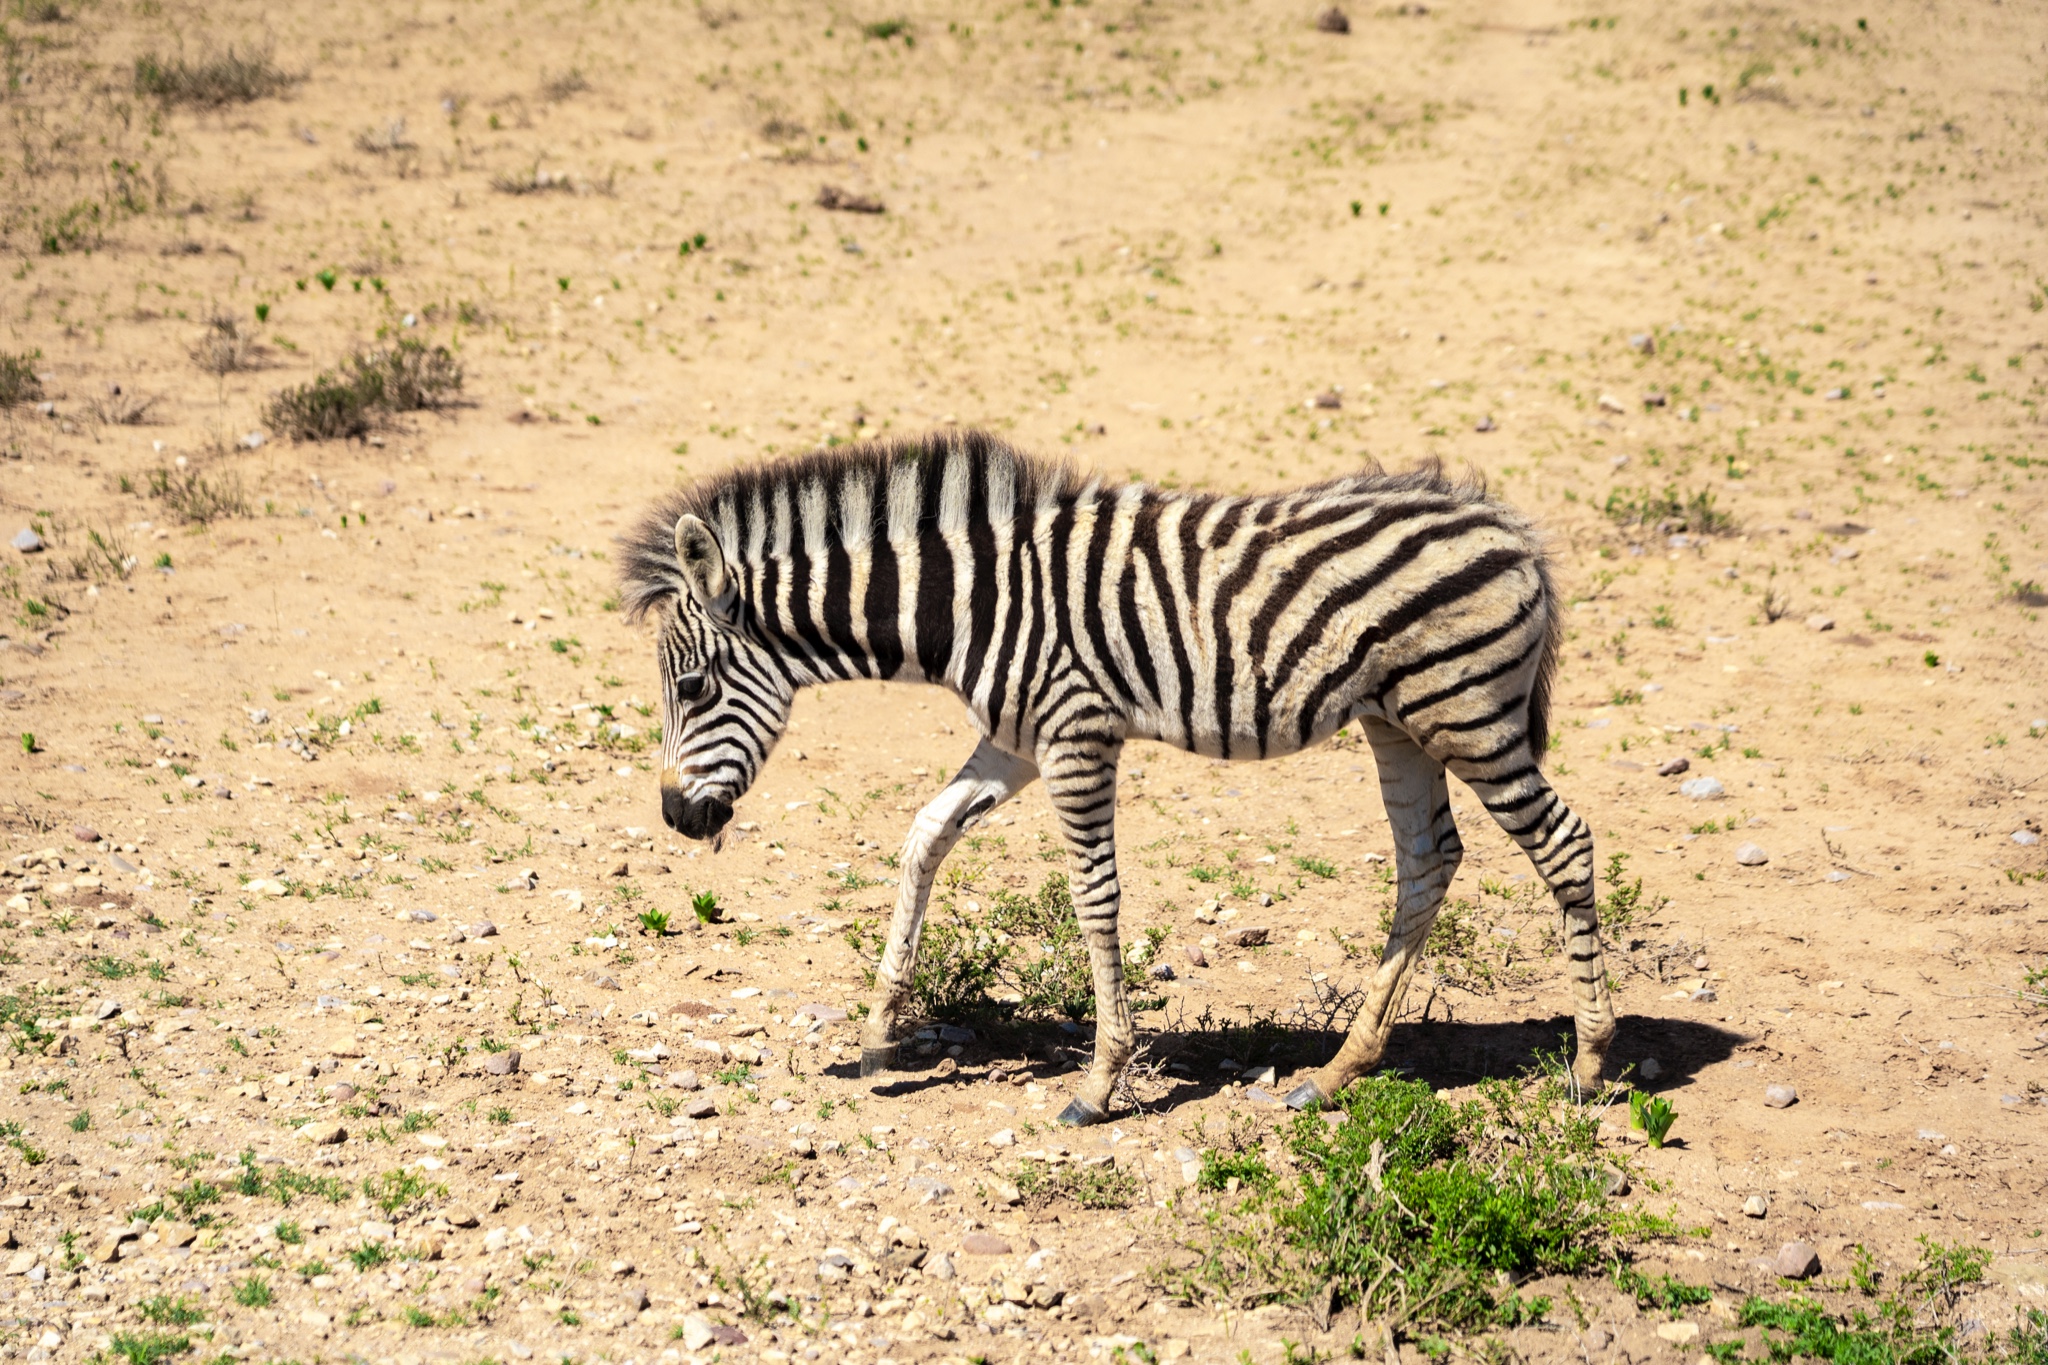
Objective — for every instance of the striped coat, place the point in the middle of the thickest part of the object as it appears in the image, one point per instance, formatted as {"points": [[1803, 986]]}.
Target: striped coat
{"points": [[1071, 614]]}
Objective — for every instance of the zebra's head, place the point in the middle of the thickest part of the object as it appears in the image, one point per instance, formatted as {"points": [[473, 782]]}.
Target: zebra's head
{"points": [[724, 703]]}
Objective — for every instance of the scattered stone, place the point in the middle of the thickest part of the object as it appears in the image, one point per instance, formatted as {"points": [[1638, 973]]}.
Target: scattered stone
{"points": [[497, 1239], [683, 1080], [1796, 1261], [1251, 936], [636, 1299], [1597, 1338], [1333, 20], [819, 1014], [1678, 1333], [697, 1332], [1820, 622], [502, 1063], [461, 1216], [85, 834], [1702, 789], [1161, 971], [1196, 957], [2025, 837], [701, 1109], [1485, 424], [1700, 963], [1780, 1096], [1644, 343], [27, 541], [1609, 403], [1756, 1206], [1002, 1137], [1672, 767], [1751, 855], [939, 1267], [984, 1244], [323, 1133], [1262, 1076], [1650, 1069], [484, 930]]}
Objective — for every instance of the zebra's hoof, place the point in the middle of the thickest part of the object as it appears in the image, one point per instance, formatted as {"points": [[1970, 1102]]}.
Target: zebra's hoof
{"points": [[1081, 1114], [1305, 1096], [875, 1060]]}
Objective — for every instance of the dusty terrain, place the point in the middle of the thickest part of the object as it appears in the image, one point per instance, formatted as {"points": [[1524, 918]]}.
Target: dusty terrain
{"points": [[334, 802]]}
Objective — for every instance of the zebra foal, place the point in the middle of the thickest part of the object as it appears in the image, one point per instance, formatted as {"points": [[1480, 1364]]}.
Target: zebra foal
{"points": [[1071, 614]]}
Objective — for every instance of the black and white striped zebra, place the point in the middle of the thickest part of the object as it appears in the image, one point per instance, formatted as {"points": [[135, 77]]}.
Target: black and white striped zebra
{"points": [[1071, 614]]}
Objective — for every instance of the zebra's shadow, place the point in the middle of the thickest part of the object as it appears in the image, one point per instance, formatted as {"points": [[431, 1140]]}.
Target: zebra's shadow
{"points": [[1198, 1063]]}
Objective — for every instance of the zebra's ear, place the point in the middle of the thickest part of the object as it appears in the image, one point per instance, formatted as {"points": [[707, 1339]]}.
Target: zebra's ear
{"points": [[702, 562]]}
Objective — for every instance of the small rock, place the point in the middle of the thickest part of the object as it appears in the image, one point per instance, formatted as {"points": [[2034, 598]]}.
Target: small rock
{"points": [[1756, 1206], [1650, 1069], [697, 1332], [1161, 971], [1485, 424], [1251, 936], [636, 1299], [1780, 1096], [683, 1080], [323, 1133], [2025, 837], [1751, 855], [820, 1014], [27, 541], [1702, 789], [1002, 1137], [701, 1109], [939, 1267], [1643, 342], [1597, 1338], [1796, 1261], [984, 1244], [1678, 1333], [497, 1239], [1196, 957], [1699, 963], [1333, 20], [502, 1063], [1263, 1076], [1820, 622], [461, 1216], [1672, 767], [1609, 403], [85, 834], [483, 930]]}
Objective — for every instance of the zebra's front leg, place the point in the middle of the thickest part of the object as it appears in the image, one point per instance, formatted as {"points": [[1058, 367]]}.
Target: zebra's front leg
{"points": [[1427, 852], [990, 778], [1080, 778]]}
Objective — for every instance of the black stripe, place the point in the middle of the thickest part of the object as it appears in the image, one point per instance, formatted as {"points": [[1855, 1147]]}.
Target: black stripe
{"points": [[934, 577]]}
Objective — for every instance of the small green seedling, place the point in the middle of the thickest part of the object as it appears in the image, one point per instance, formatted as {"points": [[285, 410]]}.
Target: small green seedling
{"points": [[654, 922], [1658, 1116], [705, 906], [28, 741], [1636, 1100]]}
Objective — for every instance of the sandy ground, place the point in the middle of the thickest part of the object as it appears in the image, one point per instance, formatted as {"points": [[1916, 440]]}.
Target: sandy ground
{"points": [[315, 799]]}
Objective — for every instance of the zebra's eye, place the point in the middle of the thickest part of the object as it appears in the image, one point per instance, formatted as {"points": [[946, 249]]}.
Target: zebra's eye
{"points": [[690, 686]]}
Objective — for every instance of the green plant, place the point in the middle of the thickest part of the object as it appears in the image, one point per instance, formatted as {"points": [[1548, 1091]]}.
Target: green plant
{"points": [[165, 1311], [1090, 1186], [501, 1116], [290, 1233], [1666, 1293], [196, 497], [1657, 1118], [369, 1255], [253, 1292], [1668, 510], [147, 1348], [1220, 1168], [1417, 1210], [81, 1121], [704, 905], [654, 922]]}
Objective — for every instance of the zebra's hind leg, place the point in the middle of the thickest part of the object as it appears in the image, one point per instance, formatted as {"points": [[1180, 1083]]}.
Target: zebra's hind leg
{"points": [[1426, 856], [1080, 778], [990, 778], [1560, 845]]}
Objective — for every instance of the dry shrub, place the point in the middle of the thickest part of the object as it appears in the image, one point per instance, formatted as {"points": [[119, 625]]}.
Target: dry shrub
{"points": [[211, 82], [368, 386], [18, 381], [192, 496]]}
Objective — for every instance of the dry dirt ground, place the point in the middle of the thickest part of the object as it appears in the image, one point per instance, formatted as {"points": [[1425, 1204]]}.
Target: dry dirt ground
{"points": [[1743, 302]]}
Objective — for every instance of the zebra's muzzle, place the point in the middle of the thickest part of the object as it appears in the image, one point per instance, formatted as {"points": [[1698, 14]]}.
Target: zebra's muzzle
{"points": [[697, 818]]}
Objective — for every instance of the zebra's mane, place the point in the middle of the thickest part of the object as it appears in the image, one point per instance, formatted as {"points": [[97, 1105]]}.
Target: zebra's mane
{"points": [[649, 573]]}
